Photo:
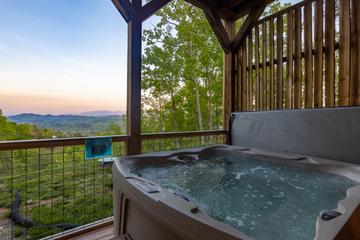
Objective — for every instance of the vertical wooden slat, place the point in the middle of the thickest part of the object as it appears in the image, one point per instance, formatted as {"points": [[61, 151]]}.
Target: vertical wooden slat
{"points": [[238, 83], [355, 53], [250, 72], [298, 67], [289, 63], [279, 56], [244, 86], [257, 79], [318, 64], [330, 53], [344, 53], [271, 60], [308, 56], [263, 85]]}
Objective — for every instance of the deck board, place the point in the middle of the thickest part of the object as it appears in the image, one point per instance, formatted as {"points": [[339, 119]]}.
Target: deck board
{"points": [[104, 233]]}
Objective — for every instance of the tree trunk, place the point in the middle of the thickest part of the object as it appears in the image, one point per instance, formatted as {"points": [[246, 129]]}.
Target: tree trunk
{"points": [[198, 105], [174, 118]]}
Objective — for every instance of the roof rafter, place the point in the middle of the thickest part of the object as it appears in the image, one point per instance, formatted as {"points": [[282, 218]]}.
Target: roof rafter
{"points": [[151, 7], [124, 8], [254, 15], [218, 28], [246, 7]]}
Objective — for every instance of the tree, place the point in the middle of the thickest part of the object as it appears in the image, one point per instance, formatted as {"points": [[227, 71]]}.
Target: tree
{"points": [[182, 71]]}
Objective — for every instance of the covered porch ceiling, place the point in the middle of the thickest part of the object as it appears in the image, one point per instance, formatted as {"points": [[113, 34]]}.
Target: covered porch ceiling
{"points": [[221, 15], [228, 9]]}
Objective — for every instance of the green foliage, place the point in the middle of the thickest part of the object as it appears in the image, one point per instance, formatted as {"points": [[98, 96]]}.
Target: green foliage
{"points": [[75, 125], [182, 72], [13, 131]]}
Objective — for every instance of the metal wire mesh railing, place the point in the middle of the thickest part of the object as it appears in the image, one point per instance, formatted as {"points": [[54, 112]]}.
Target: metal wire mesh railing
{"points": [[48, 187], [172, 141], [46, 190]]}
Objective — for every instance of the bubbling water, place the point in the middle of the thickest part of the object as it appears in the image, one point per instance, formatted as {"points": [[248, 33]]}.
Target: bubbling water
{"points": [[264, 200]]}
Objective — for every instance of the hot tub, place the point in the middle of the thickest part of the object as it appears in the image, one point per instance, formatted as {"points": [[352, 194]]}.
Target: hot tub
{"points": [[146, 210], [287, 187]]}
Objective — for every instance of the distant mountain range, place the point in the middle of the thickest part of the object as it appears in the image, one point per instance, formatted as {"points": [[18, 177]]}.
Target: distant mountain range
{"points": [[86, 124], [102, 113]]}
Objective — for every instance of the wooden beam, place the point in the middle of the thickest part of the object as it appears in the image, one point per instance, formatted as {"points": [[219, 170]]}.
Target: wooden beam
{"points": [[124, 8], [134, 79], [224, 13], [151, 7], [244, 8], [229, 79], [218, 28], [246, 27]]}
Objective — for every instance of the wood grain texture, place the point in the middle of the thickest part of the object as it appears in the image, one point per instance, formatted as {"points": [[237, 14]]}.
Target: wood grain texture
{"points": [[257, 77], [318, 63], [355, 53], [289, 63], [250, 73], [279, 56], [309, 96], [330, 53], [298, 65], [271, 63], [344, 54], [263, 82]]}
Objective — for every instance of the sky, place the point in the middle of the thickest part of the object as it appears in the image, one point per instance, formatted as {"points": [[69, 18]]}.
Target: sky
{"points": [[62, 56]]}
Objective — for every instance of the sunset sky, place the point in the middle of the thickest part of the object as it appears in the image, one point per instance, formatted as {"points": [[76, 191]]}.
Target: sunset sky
{"points": [[62, 56]]}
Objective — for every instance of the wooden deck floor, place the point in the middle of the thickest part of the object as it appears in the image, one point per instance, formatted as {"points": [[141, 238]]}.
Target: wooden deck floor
{"points": [[104, 233]]}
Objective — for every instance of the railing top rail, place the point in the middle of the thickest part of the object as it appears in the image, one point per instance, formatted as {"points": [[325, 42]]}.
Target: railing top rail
{"points": [[148, 136], [57, 142], [283, 11]]}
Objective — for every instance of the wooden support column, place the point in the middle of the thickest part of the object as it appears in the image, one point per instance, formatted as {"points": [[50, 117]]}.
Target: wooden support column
{"points": [[134, 14], [229, 97], [355, 53], [134, 79]]}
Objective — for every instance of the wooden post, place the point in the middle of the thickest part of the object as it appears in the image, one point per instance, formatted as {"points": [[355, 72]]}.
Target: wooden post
{"points": [[134, 79], [355, 53], [229, 78]]}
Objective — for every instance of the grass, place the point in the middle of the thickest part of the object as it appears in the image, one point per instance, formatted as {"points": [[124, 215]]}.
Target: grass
{"points": [[57, 186]]}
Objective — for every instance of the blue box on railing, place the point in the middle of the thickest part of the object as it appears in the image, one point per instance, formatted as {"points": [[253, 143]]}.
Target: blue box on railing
{"points": [[98, 148]]}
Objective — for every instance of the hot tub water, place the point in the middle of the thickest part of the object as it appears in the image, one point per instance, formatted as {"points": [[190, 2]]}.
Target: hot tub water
{"points": [[261, 199]]}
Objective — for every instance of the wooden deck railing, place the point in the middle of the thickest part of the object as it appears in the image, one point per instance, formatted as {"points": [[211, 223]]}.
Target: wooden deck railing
{"points": [[305, 56], [47, 186]]}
